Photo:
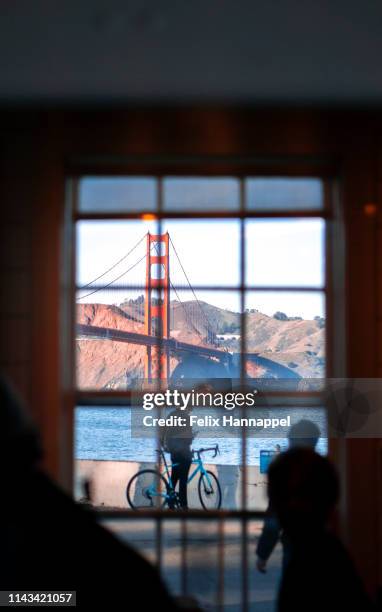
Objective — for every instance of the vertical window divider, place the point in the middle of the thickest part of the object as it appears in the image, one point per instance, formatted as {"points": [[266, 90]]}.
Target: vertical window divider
{"points": [[244, 524], [159, 348]]}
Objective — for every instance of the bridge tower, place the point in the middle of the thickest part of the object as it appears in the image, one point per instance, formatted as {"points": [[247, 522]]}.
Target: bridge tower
{"points": [[157, 304]]}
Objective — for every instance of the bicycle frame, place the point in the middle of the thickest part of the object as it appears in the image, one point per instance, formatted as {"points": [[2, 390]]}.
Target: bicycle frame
{"points": [[153, 492], [199, 468]]}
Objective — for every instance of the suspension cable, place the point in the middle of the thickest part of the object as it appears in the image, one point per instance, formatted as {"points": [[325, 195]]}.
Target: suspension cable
{"points": [[189, 284], [188, 318], [185, 312], [114, 280], [115, 265]]}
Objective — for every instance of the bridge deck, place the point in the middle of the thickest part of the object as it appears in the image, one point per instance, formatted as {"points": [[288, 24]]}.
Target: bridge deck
{"points": [[117, 335], [105, 333]]}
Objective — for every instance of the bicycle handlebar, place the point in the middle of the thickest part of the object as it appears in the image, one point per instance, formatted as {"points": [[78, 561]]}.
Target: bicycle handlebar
{"points": [[211, 448], [198, 451]]}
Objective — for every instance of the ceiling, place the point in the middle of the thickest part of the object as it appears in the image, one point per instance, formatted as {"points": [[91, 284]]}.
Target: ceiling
{"points": [[194, 51]]}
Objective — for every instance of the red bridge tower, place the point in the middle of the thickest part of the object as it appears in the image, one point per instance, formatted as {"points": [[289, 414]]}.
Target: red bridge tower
{"points": [[157, 304]]}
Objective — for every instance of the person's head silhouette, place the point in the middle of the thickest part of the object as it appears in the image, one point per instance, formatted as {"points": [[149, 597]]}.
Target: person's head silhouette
{"points": [[303, 489], [304, 434]]}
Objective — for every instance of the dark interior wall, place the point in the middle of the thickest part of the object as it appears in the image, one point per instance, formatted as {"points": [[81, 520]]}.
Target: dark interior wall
{"points": [[109, 51], [30, 240], [39, 149]]}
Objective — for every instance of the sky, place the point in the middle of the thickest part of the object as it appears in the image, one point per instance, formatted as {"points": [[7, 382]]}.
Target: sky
{"points": [[278, 253]]}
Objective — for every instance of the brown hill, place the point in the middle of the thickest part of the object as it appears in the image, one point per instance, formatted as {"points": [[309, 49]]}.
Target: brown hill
{"points": [[101, 364], [297, 344], [105, 315]]}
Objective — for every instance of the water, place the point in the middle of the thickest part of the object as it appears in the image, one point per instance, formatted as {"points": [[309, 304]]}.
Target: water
{"points": [[105, 434]]}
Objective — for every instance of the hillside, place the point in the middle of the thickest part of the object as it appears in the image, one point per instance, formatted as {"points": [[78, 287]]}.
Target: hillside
{"points": [[104, 364], [296, 344]]}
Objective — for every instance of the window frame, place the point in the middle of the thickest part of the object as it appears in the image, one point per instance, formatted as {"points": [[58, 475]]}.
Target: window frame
{"points": [[235, 167]]}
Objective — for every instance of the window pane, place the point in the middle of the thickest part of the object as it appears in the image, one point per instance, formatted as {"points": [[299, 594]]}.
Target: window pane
{"points": [[207, 251], [268, 443], [284, 252], [284, 193], [285, 334], [201, 194], [103, 363], [117, 194], [212, 321], [112, 253], [141, 536]]}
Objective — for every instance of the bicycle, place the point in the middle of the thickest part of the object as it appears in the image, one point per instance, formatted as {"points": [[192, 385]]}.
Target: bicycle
{"points": [[153, 489]]}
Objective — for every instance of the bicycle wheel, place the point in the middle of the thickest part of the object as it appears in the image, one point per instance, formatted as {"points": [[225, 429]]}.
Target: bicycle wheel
{"points": [[210, 494], [147, 489]]}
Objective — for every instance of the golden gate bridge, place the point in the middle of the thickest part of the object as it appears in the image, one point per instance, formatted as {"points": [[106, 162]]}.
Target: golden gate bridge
{"points": [[152, 307]]}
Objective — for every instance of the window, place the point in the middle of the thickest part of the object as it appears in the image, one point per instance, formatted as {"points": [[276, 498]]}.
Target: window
{"points": [[198, 277]]}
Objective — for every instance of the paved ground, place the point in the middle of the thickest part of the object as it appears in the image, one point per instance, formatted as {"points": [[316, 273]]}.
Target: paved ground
{"points": [[200, 573]]}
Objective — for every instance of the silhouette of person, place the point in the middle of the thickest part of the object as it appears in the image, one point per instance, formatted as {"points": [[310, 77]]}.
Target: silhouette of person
{"points": [[48, 542], [303, 490], [304, 433], [177, 441]]}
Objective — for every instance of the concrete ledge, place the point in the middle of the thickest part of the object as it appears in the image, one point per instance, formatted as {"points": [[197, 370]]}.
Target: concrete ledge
{"points": [[109, 481]]}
